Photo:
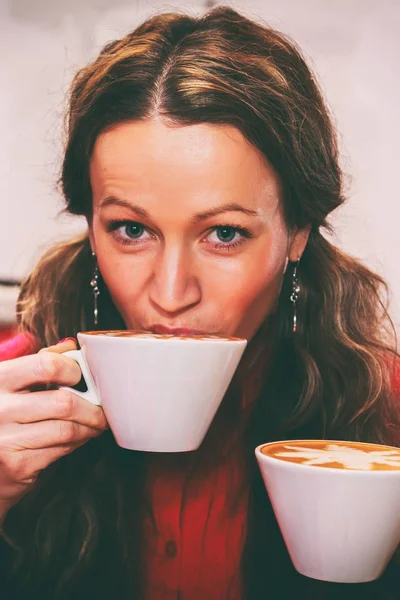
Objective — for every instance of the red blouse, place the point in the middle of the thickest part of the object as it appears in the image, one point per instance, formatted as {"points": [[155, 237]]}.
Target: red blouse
{"points": [[196, 530]]}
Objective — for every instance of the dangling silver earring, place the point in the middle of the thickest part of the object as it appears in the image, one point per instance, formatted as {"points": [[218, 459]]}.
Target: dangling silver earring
{"points": [[96, 292], [295, 294]]}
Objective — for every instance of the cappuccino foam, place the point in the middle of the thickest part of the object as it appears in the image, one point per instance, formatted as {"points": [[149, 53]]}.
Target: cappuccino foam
{"points": [[337, 455], [163, 336]]}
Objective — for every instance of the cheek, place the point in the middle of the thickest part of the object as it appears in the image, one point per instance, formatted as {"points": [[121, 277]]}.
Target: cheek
{"points": [[123, 273], [124, 279], [257, 275], [258, 293], [248, 293]]}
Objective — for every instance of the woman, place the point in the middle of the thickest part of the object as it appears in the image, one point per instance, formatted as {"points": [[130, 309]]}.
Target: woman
{"points": [[204, 159]]}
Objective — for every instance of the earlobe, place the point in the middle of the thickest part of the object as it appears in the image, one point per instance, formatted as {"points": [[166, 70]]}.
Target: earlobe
{"points": [[91, 240], [286, 265], [298, 243]]}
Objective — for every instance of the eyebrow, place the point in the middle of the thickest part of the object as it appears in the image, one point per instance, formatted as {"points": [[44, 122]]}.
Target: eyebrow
{"points": [[201, 216], [113, 200], [217, 210]]}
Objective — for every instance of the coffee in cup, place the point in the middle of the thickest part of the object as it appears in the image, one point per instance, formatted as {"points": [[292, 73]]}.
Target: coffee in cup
{"points": [[336, 455], [337, 504]]}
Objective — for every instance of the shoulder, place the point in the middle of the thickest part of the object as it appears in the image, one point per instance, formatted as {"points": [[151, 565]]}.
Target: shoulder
{"points": [[20, 345]]}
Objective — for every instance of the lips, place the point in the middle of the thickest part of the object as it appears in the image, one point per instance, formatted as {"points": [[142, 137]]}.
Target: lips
{"points": [[164, 329]]}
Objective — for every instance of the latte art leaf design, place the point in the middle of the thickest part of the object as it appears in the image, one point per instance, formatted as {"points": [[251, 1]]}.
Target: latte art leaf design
{"points": [[350, 458]]}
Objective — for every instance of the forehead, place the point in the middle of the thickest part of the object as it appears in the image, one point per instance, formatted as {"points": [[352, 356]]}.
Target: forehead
{"points": [[150, 157]]}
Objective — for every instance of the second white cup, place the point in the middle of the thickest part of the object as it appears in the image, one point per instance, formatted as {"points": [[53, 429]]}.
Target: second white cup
{"points": [[337, 504]]}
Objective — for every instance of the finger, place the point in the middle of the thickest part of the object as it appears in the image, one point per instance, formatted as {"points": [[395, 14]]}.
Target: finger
{"points": [[46, 405], [44, 434], [62, 346], [42, 368]]}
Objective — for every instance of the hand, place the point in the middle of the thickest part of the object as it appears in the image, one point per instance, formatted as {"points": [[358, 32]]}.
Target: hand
{"points": [[39, 427]]}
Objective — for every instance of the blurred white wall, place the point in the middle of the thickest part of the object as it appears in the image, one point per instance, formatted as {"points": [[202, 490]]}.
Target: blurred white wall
{"points": [[353, 46]]}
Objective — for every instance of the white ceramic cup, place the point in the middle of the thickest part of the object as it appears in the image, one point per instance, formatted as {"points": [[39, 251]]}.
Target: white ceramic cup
{"points": [[339, 525], [158, 392]]}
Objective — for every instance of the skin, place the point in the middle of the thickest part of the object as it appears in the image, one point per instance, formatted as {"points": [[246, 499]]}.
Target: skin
{"points": [[38, 428], [200, 245], [163, 186]]}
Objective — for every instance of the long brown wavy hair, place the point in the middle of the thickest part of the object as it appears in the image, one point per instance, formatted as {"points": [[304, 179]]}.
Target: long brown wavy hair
{"points": [[79, 527]]}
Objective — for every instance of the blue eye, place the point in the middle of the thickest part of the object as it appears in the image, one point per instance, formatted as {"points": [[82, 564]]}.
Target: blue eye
{"points": [[134, 230], [128, 232], [226, 234], [227, 237]]}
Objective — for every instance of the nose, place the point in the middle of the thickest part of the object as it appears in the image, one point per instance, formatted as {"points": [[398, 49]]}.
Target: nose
{"points": [[174, 287]]}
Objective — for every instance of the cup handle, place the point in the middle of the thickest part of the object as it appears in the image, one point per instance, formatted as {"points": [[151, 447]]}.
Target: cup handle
{"points": [[92, 395]]}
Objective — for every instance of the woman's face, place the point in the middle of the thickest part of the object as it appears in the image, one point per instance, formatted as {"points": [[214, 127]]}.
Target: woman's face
{"points": [[188, 228]]}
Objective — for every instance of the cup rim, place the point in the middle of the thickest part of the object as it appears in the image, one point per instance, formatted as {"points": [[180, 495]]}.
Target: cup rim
{"points": [[102, 335], [345, 472]]}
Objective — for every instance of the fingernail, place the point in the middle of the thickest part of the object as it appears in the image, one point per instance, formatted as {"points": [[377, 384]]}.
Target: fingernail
{"points": [[68, 339]]}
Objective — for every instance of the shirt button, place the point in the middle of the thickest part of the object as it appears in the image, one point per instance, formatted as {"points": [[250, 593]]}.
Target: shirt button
{"points": [[171, 549]]}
